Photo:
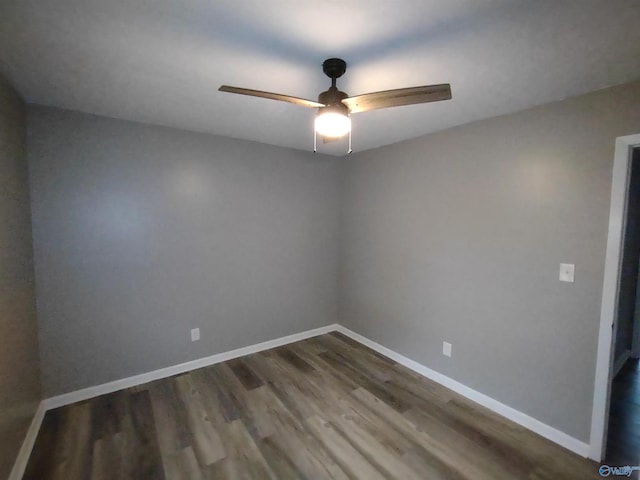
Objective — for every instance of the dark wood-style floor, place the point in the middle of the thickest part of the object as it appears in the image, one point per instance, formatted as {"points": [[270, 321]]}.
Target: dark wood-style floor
{"points": [[326, 407], [623, 439]]}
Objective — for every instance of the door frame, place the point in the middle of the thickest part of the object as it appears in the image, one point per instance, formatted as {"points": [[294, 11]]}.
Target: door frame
{"points": [[608, 326]]}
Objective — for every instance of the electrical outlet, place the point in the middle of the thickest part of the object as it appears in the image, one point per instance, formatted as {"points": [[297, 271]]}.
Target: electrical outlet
{"points": [[446, 349], [195, 334]]}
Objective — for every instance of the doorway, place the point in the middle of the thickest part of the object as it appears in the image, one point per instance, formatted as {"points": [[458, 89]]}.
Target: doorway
{"points": [[615, 426], [623, 433]]}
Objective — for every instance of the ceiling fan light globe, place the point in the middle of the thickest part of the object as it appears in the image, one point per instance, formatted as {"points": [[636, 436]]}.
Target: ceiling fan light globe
{"points": [[332, 124]]}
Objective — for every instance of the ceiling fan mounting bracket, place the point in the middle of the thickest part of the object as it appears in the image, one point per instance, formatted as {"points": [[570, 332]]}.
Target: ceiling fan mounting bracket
{"points": [[334, 67]]}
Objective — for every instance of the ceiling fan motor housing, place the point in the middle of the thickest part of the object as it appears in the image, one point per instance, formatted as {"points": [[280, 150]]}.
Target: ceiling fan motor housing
{"points": [[332, 97]]}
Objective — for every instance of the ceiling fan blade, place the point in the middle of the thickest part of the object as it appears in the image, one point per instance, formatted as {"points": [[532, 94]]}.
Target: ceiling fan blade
{"points": [[273, 96], [398, 97]]}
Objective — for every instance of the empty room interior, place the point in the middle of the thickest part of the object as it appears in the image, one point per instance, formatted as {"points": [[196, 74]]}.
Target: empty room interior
{"points": [[351, 240]]}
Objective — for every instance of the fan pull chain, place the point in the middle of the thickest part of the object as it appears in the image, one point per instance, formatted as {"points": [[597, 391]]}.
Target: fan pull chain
{"points": [[350, 150]]}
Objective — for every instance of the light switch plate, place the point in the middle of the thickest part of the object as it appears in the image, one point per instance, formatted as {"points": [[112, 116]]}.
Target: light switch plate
{"points": [[567, 272], [195, 334], [446, 349]]}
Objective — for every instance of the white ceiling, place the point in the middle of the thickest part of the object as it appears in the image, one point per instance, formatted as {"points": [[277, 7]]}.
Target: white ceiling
{"points": [[161, 61]]}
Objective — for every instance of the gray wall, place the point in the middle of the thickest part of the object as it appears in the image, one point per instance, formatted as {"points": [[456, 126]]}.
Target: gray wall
{"points": [[142, 233], [458, 236], [19, 375]]}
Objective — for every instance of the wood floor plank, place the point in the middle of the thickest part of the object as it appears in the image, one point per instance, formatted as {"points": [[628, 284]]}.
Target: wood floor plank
{"points": [[291, 436], [244, 460], [286, 403], [343, 367], [482, 458], [353, 410], [170, 423], [358, 346], [366, 411], [384, 455], [75, 458], [323, 408], [447, 459], [246, 376], [221, 392], [279, 459], [291, 357], [104, 459], [385, 370], [309, 345], [287, 389], [207, 443], [344, 453], [148, 463], [222, 381], [184, 466]]}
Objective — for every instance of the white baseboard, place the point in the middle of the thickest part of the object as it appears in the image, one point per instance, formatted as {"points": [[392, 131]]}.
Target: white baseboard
{"points": [[512, 414], [22, 459], [110, 387], [619, 363], [516, 416]]}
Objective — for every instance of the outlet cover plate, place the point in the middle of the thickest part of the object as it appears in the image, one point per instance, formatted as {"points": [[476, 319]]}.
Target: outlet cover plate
{"points": [[195, 334]]}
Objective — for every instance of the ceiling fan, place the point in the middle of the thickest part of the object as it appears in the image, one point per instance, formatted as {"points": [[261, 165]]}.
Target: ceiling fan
{"points": [[335, 107]]}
